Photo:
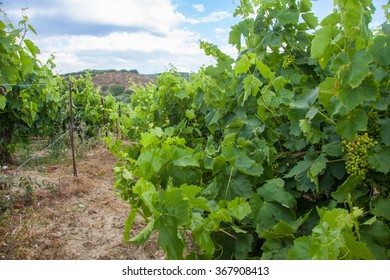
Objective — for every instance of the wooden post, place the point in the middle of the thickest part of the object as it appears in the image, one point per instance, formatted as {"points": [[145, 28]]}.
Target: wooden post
{"points": [[117, 125], [104, 117], [71, 129]]}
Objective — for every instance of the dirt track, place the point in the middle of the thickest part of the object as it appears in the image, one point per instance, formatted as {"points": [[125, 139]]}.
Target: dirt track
{"points": [[78, 219]]}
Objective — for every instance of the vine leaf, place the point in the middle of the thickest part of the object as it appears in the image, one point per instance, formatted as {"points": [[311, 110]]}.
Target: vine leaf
{"points": [[182, 157], [202, 234], [239, 208], [144, 234], [3, 101], [346, 188], [174, 212], [381, 49], [321, 46], [274, 190], [267, 214], [150, 162], [310, 19], [366, 91], [380, 161], [242, 65], [381, 207], [283, 229], [356, 249], [349, 125], [359, 68], [288, 16], [385, 131]]}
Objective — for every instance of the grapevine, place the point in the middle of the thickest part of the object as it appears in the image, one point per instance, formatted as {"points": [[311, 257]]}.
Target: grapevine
{"points": [[256, 168], [248, 154]]}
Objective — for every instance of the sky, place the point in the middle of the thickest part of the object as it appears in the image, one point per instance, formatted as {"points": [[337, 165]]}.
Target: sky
{"points": [[147, 35]]}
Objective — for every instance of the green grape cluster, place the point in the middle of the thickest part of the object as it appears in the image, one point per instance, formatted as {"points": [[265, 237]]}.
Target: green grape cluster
{"points": [[357, 153], [373, 127], [288, 60]]}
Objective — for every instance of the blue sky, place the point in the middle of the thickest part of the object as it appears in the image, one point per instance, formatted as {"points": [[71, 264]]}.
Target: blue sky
{"points": [[147, 35]]}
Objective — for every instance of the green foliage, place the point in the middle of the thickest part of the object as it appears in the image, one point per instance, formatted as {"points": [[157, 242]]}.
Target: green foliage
{"points": [[37, 102], [247, 154], [116, 89], [25, 108]]}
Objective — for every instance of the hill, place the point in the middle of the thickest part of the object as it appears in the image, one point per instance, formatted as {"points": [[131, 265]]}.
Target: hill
{"points": [[116, 82]]}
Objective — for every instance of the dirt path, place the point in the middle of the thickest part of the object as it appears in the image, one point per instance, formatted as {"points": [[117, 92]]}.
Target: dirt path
{"points": [[77, 219]]}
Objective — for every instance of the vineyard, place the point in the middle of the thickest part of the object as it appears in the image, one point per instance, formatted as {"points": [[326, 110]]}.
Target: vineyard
{"points": [[280, 153]]}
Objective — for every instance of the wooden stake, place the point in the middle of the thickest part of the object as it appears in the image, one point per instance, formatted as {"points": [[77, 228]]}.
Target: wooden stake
{"points": [[104, 117], [117, 125], [71, 129]]}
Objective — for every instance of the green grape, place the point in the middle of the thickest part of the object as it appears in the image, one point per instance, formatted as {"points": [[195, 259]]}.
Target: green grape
{"points": [[357, 153], [373, 127], [288, 60]]}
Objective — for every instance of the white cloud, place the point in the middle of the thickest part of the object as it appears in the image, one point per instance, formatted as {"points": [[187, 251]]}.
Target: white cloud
{"points": [[158, 16], [213, 17], [199, 7], [150, 36], [142, 50], [176, 42], [33, 12]]}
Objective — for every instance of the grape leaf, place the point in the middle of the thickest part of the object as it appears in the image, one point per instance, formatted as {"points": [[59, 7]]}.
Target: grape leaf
{"points": [[380, 160], [31, 47], [381, 207], [280, 230], [242, 65], [359, 68], [346, 188], [333, 149], [318, 166], [144, 234], [183, 157], [321, 46], [240, 186], [150, 162], [381, 49], [27, 63], [202, 235], [275, 249], [248, 166], [3, 101], [251, 86], [366, 91], [356, 249], [305, 248], [305, 6], [173, 212], [288, 16], [274, 190], [239, 208], [265, 71], [243, 246], [237, 31], [377, 238], [349, 125], [385, 131], [310, 19], [267, 214]]}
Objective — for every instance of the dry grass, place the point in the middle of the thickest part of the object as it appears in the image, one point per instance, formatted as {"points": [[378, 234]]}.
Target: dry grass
{"points": [[73, 218]]}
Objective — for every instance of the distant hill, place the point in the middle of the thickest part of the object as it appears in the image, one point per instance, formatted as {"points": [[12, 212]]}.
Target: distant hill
{"points": [[116, 82]]}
